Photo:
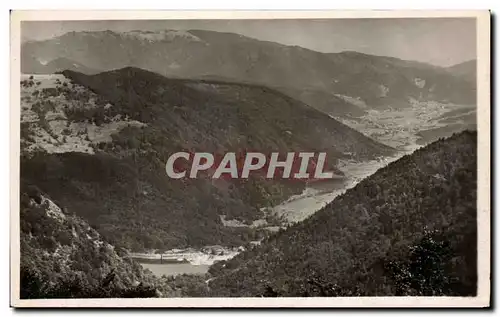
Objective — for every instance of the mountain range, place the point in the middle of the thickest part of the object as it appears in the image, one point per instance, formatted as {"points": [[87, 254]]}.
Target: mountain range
{"points": [[345, 83]]}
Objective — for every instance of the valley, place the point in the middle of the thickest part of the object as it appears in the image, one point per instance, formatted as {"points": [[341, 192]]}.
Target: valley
{"points": [[105, 214], [295, 209], [299, 207], [400, 128]]}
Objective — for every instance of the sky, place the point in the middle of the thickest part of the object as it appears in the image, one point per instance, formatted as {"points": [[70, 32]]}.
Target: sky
{"points": [[438, 41]]}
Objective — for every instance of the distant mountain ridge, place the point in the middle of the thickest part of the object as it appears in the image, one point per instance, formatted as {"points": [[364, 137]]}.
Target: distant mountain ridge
{"points": [[99, 144], [313, 77]]}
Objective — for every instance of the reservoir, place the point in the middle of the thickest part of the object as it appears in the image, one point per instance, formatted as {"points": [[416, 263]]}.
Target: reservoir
{"points": [[295, 209], [172, 269], [184, 261]]}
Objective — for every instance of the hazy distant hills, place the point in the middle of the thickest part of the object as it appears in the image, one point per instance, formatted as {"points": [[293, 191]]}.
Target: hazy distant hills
{"points": [[62, 256], [98, 145], [101, 112], [337, 83], [34, 66], [465, 70], [409, 229]]}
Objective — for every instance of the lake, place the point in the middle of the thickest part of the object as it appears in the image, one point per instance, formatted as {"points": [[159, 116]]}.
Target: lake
{"points": [[172, 269]]}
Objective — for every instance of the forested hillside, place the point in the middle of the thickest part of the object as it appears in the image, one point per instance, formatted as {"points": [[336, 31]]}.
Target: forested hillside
{"points": [[409, 229], [98, 145], [62, 256], [465, 70], [343, 83]]}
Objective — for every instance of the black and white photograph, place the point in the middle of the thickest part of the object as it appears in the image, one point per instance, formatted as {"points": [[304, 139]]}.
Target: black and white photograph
{"points": [[260, 160]]}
